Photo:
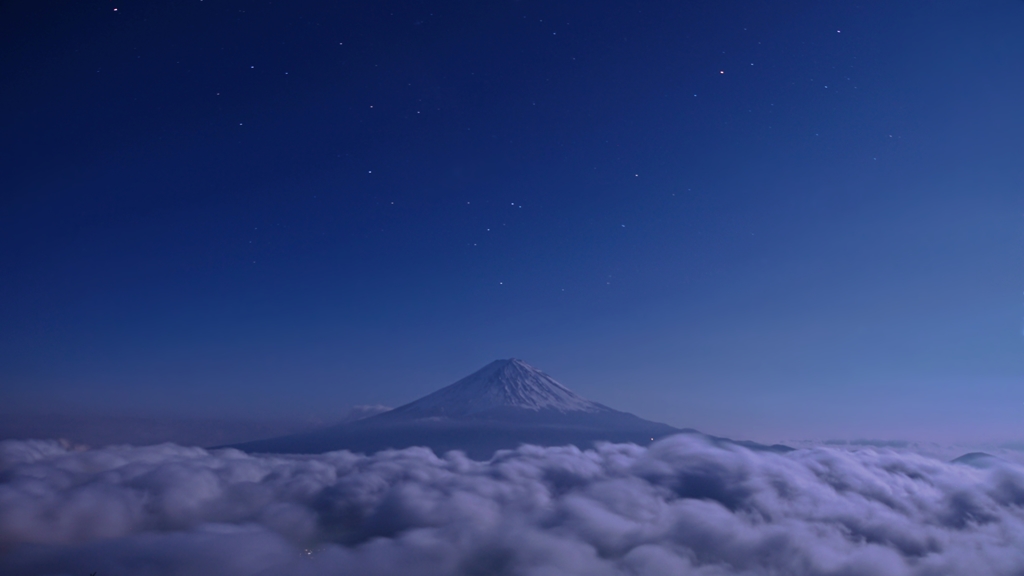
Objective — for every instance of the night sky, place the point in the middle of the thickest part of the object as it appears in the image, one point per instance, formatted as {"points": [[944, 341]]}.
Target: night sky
{"points": [[767, 220]]}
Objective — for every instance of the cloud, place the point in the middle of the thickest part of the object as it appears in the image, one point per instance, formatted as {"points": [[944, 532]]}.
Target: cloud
{"points": [[679, 507], [361, 411]]}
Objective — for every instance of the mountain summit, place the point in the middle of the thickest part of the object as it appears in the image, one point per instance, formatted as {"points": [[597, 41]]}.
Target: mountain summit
{"points": [[500, 385], [500, 406]]}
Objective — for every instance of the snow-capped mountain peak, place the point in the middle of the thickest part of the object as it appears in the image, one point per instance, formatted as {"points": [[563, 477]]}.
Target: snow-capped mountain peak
{"points": [[501, 406], [502, 384]]}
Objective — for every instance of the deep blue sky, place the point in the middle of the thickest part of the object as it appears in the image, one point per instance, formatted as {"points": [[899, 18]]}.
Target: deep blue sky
{"points": [[761, 219]]}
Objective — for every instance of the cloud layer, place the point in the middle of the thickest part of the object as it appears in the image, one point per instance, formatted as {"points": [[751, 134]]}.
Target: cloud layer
{"points": [[678, 507]]}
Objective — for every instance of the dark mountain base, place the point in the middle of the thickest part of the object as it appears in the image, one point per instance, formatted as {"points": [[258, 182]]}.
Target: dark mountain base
{"points": [[478, 440]]}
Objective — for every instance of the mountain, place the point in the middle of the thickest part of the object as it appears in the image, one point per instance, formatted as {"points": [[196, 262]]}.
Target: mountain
{"points": [[978, 460], [502, 405], [502, 384]]}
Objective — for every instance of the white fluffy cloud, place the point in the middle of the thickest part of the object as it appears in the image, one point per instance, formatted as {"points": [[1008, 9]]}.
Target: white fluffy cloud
{"points": [[679, 507]]}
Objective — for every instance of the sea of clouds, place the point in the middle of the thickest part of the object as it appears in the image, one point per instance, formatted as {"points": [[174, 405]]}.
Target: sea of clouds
{"points": [[679, 507]]}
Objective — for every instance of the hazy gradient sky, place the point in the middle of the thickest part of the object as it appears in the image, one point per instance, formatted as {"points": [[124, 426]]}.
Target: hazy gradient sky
{"points": [[767, 220]]}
